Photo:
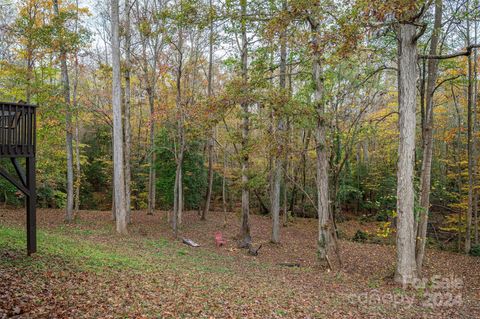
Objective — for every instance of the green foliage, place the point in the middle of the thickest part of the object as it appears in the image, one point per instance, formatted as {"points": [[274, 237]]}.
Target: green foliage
{"points": [[348, 193], [385, 215], [96, 185], [382, 216], [441, 193], [8, 193], [194, 172], [475, 250], [360, 236], [382, 194], [50, 197]]}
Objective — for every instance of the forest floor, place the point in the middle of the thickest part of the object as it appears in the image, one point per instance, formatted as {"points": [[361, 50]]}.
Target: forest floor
{"points": [[85, 270]]}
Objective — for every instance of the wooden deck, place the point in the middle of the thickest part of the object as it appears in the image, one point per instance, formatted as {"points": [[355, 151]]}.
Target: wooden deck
{"points": [[17, 140], [17, 130]]}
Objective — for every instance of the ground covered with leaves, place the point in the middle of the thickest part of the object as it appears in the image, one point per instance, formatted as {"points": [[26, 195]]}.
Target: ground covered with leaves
{"points": [[85, 270]]}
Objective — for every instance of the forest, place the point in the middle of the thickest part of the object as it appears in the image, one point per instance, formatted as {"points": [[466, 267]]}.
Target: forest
{"points": [[323, 155]]}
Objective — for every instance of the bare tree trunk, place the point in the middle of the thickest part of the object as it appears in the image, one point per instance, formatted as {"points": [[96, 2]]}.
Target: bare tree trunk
{"points": [[77, 128], [128, 129], [178, 193], [208, 196], [114, 216], [77, 142], [324, 224], [150, 79], [180, 185], [406, 270], [175, 204], [475, 144], [468, 232], [68, 120], [118, 176], [306, 143], [224, 188], [458, 166], [245, 237], [275, 199], [427, 129], [277, 161], [152, 157], [211, 141], [29, 75]]}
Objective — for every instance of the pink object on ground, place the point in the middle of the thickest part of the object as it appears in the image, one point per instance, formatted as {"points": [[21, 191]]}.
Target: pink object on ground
{"points": [[219, 240]]}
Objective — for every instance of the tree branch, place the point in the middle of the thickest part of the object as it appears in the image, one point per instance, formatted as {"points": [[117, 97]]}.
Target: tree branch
{"points": [[467, 52], [446, 80]]}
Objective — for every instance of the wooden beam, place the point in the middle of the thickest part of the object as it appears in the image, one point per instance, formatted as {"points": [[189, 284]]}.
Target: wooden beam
{"points": [[12, 180], [18, 169]]}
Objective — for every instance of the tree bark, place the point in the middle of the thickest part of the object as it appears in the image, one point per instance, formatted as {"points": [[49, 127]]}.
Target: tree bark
{"points": [[224, 189], [211, 140], [458, 151], [152, 157], [128, 129], [77, 127], [427, 133], [68, 123], [406, 270], [245, 237], [178, 193], [468, 232], [118, 176], [321, 148], [306, 143], [277, 161], [475, 128]]}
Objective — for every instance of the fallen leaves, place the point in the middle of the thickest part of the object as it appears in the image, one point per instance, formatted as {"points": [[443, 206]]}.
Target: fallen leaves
{"points": [[165, 279]]}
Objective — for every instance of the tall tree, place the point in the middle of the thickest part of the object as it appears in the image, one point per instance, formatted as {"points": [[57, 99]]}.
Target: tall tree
{"points": [[118, 154], [475, 131], [180, 147], [321, 148], [470, 142], [245, 237], [150, 29], [128, 93], [427, 133], [211, 140], [68, 117], [406, 270], [278, 164], [77, 119]]}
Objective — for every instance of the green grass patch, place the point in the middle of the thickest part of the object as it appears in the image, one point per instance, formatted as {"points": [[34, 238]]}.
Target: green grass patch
{"points": [[86, 255], [71, 245]]}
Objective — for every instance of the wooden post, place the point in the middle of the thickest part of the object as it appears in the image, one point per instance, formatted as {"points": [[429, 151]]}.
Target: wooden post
{"points": [[31, 206]]}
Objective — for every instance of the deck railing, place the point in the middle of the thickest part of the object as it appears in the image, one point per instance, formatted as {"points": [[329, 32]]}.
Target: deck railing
{"points": [[17, 130]]}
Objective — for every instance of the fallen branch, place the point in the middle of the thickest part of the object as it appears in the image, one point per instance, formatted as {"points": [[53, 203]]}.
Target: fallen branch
{"points": [[289, 264], [190, 242]]}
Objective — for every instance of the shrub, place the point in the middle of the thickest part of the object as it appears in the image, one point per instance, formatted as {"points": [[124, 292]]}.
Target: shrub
{"points": [[382, 216], [475, 250], [8, 193], [360, 236], [385, 215]]}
